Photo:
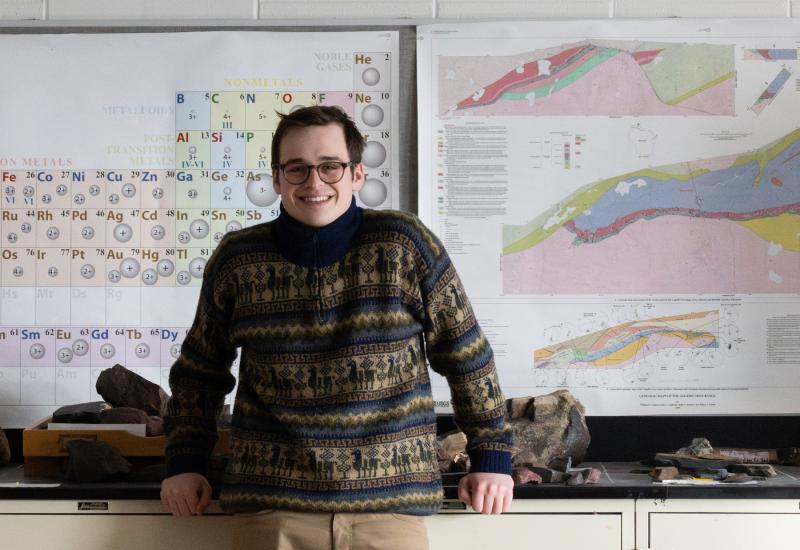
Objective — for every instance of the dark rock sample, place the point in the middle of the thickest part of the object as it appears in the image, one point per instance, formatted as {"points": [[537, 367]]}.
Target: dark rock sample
{"points": [[523, 475], [129, 415], [548, 427], [688, 462], [91, 461], [5, 449], [124, 388], [82, 413]]}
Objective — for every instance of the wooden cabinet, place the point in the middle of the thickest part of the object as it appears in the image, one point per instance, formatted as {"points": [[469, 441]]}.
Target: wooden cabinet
{"points": [[554, 524], [729, 524]]}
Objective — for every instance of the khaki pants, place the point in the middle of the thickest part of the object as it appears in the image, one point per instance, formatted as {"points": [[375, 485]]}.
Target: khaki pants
{"points": [[284, 530]]}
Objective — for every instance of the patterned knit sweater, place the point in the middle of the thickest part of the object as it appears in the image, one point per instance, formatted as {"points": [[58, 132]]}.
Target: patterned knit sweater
{"points": [[333, 410]]}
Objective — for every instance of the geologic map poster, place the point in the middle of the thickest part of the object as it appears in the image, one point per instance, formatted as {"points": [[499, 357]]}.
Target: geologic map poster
{"points": [[622, 201]]}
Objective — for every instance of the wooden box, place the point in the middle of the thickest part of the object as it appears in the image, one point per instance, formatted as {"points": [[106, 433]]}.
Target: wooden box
{"points": [[45, 451]]}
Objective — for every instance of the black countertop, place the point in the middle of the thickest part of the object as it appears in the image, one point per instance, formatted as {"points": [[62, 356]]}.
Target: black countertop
{"points": [[617, 481]]}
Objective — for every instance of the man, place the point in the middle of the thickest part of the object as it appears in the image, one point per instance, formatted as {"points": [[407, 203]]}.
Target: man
{"points": [[335, 310]]}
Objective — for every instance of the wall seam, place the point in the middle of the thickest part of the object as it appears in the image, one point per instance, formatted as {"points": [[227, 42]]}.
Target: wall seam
{"points": [[45, 9], [611, 9]]}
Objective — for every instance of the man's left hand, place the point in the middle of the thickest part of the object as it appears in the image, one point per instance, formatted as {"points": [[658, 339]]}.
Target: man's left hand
{"points": [[487, 493]]}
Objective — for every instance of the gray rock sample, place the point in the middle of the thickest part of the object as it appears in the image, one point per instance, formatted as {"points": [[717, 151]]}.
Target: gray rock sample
{"points": [[5, 449], [548, 475], [91, 461], [129, 415], [124, 388], [757, 470], [547, 428], [81, 413]]}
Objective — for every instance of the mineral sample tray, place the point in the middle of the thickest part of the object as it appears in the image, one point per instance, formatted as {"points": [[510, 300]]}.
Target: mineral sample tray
{"points": [[45, 451]]}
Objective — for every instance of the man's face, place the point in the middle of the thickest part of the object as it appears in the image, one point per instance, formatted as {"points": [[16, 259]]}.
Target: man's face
{"points": [[316, 203]]}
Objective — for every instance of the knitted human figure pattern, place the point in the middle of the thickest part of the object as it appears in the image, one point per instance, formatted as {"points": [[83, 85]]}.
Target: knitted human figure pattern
{"points": [[334, 411]]}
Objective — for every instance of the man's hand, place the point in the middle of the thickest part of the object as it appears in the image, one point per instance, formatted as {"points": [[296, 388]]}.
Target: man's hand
{"points": [[186, 495], [487, 493]]}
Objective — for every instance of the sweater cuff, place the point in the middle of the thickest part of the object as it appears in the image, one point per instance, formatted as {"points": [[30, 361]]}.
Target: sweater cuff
{"points": [[184, 464], [494, 462]]}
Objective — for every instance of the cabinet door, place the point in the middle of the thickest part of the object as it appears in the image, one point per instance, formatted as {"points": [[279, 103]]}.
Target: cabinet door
{"points": [[100, 525], [697, 524], [553, 524]]}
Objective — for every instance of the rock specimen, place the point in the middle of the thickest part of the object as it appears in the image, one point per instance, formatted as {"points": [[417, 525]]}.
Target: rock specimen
{"points": [[129, 415], [82, 413], [124, 388], [663, 473], [547, 428], [523, 475], [91, 461]]}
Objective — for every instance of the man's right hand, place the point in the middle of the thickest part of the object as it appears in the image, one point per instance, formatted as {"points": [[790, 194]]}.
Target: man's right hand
{"points": [[186, 495]]}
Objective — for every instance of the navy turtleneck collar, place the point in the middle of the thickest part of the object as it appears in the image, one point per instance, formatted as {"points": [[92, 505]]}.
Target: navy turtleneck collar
{"points": [[317, 246]]}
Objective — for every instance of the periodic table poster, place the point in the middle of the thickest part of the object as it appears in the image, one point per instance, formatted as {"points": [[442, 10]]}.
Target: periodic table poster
{"points": [[124, 159]]}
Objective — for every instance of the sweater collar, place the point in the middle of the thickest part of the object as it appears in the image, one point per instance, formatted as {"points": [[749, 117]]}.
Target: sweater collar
{"points": [[317, 246]]}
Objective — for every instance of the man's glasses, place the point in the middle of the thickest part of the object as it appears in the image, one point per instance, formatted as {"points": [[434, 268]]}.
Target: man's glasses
{"points": [[329, 172]]}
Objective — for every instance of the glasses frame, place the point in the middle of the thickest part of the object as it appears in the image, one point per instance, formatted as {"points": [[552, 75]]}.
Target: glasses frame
{"points": [[309, 167]]}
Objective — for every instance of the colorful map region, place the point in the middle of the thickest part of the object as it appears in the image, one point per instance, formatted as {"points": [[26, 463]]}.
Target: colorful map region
{"points": [[721, 225], [623, 345], [774, 54], [768, 95], [593, 78]]}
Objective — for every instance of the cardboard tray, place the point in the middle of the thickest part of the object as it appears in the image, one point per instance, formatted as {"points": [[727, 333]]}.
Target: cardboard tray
{"points": [[45, 451]]}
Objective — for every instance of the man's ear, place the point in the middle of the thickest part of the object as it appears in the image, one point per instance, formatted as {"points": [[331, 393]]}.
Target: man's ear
{"points": [[276, 186], [358, 177]]}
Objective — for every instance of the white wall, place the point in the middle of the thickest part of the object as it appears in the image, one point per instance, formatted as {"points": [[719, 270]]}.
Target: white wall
{"points": [[339, 12]]}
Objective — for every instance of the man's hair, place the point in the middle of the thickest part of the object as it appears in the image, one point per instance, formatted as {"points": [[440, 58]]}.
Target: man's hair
{"points": [[318, 115]]}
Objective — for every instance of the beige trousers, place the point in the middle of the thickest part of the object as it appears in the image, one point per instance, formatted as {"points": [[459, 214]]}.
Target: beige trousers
{"points": [[284, 530]]}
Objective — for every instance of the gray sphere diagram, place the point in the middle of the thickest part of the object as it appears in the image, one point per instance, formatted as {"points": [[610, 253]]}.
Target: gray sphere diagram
{"points": [[37, 351], [149, 276], [12, 237], [373, 193], [53, 233], [114, 276], [107, 350], [46, 198], [64, 355], [233, 226], [158, 232], [184, 237], [142, 350], [80, 347], [18, 271], [261, 193], [113, 198], [374, 154], [61, 189], [123, 232], [199, 229], [197, 266], [371, 76], [79, 199], [129, 190], [175, 351], [165, 268], [372, 115], [26, 227], [183, 277], [94, 190], [129, 268], [87, 232], [87, 271], [158, 193]]}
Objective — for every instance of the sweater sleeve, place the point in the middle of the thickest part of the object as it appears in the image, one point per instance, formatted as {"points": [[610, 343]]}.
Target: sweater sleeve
{"points": [[199, 380], [457, 349]]}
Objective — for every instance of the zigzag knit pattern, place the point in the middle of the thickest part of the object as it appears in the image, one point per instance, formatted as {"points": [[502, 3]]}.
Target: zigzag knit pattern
{"points": [[334, 410]]}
